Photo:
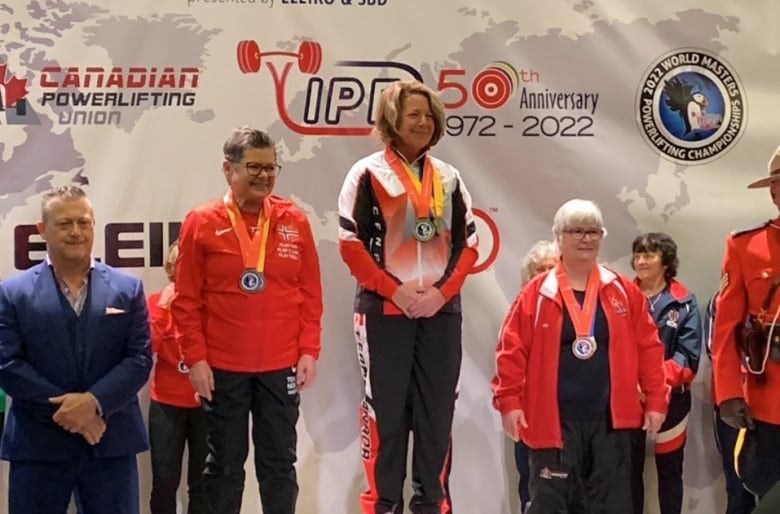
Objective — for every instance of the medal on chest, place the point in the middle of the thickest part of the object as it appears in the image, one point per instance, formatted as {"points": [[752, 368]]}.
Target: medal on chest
{"points": [[583, 318], [424, 194], [253, 249]]}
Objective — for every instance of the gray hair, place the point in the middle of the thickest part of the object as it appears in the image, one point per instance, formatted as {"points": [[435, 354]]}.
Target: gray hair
{"points": [[242, 138], [576, 212], [391, 104], [540, 251], [60, 193]]}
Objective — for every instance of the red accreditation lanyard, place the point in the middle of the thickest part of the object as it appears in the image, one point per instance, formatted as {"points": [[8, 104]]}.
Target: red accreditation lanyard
{"points": [[252, 249], [582, 318], [420, 192]]}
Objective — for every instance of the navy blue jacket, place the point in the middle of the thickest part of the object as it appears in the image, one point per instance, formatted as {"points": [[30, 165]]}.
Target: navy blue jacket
{"points": [[676, 314], [38, 360]]}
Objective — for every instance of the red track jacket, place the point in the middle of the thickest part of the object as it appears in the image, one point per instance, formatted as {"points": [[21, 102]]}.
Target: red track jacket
{"points": [[528, 357], [233, 330]]}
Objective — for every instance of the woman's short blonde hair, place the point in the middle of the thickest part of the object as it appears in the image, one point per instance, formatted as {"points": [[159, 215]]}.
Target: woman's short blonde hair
{"points": [[170, 261], [391, 104], [576, 212], [539, 252]]}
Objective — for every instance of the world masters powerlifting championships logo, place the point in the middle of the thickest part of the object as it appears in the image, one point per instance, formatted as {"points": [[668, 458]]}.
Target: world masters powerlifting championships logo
{"points": [[691, 106]]}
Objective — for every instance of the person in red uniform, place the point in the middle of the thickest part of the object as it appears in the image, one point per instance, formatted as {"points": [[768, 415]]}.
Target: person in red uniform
{"points": [[573, 349], [750, 275], [247, 313], [675, 311], [175, 416], [738, 499], [408, 236]]}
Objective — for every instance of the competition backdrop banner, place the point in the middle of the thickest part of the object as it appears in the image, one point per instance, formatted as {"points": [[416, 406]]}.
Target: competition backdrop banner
{"points": [[660, 112]]}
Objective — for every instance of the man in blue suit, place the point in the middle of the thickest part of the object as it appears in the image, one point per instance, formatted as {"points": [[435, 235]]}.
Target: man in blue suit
{"points": [[74, 351]]}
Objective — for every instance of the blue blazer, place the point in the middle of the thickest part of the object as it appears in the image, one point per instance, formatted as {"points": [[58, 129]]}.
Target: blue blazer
{"points": [[38, 361]]}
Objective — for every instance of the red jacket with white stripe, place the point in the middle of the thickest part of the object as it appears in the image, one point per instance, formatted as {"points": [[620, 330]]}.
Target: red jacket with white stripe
{"points": [[528, 356]]}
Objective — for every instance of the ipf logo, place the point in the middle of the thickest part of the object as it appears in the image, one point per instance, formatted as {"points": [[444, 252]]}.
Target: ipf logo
{"points": [[328, 100], [345, 96], [691, 106], [13, 99]]}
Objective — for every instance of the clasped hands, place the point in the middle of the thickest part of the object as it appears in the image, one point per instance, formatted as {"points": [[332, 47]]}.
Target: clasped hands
{"points": [[78, 414], [416, 301]]}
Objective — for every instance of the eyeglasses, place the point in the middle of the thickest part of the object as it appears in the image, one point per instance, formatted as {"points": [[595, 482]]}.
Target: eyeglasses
{"points": [[255, 169], [580, 233]]}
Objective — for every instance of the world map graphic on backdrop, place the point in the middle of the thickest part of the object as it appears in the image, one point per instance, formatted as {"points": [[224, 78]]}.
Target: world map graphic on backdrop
{"points": [[314, 167]]}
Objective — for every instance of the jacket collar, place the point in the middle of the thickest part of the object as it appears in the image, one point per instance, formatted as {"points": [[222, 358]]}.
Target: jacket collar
{"points": [[677, 290], [549, 286]]}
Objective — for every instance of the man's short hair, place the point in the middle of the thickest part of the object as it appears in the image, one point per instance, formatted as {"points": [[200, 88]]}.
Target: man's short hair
{"points": [[60, 193]]}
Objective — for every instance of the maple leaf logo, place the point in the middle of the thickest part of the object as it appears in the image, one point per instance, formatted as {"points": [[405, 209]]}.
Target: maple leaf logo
{"points": [[15, 88]]}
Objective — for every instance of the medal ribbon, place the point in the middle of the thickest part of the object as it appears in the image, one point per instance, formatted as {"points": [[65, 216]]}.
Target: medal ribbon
{"points": [[582, 318], [252, 249], [419, 192]]}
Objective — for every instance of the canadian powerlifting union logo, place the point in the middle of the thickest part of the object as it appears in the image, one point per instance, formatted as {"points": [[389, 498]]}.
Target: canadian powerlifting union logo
{"points": [[14, 108], [691, 106]]}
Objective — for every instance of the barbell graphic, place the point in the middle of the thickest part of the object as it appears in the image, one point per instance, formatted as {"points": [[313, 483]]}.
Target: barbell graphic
{"points": [[309, 56]]}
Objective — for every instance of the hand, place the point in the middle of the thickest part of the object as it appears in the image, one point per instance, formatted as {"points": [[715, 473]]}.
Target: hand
{"points": [[306, 372], [76, 410], [427, 304], [202, 379], [735, 412], [94, 430], [653, 422], [166, 296], [510, 420], [405, 295]]}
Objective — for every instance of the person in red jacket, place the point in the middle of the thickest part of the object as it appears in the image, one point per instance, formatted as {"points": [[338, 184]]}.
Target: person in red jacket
{"points": [[175, 416], [247, 313], [738, 499], [749, 287], [573, 349], [408, 236], [676, 314], [541, 257]]}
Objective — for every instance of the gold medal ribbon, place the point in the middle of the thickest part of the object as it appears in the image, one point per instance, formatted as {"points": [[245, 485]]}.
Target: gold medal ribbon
{"points": [[581, 317], [420, 192], [252, 249]]}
